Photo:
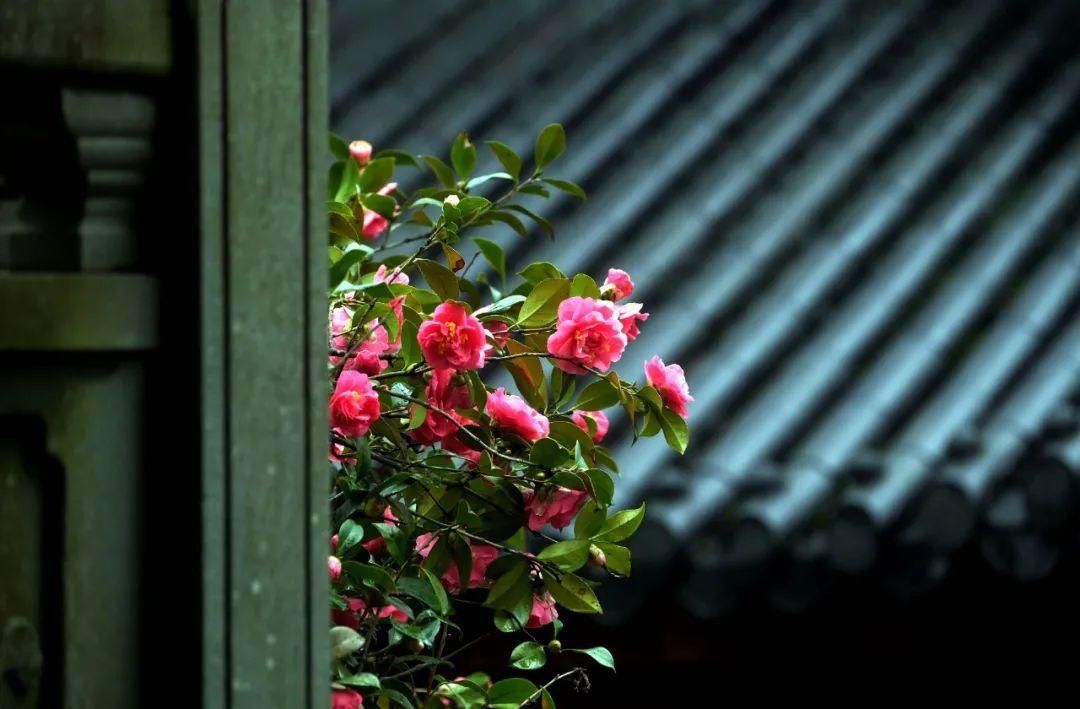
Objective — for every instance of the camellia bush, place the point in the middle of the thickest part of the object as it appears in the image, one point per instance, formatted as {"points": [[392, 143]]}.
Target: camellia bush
{"points": [[465, 510]]}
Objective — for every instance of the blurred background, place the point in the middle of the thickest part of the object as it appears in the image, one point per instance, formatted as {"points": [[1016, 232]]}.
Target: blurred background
{"points": [[856, 226]]}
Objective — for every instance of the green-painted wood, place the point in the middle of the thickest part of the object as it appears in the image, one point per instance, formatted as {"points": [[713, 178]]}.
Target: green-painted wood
{"points": [[77, 312], [101, 35], [263, 119]]}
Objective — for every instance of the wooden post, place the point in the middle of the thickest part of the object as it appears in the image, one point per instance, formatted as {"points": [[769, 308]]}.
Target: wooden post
{"points": [[263, 106]]}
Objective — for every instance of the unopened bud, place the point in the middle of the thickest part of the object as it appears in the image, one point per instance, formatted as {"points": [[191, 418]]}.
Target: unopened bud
{"points": [[555, 646], [360, 151], [596, 556], [333, 543], [608, 292], [333, 565], [453, 200]]}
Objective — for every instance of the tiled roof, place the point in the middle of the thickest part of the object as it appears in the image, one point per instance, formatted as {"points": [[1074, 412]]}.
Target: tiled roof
{"points": [[855, 224]]}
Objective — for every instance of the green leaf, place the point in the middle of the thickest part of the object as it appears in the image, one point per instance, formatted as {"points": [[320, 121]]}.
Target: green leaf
{"points": [[544, 223], [584, 286], [600, 485], [510, 587], [621, 525], [528, 374], [349, 535], [568, 187], [548, 453], [572, 593], [599, 395], [338, 147], [481, 179], [511, 692], [463, 155], [342, 224], [617, 558], [500, 215], [375, 175], [542, 304], [442, 171], [550, 144], [676, 432], [362, 679], [539, 271], [601, 654], [400, 157], [443, 603], [344, 641], [369, 575], [397, 543], [494, 255], [500, 306], [589, 521], [528, 655], [569, 555], [380, 203], [346, 188], [441, 279], [410, 347], [506, 155]]}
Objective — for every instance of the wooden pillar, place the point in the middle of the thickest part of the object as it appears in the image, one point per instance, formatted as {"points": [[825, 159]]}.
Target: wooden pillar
{"points": [[262, 97]]}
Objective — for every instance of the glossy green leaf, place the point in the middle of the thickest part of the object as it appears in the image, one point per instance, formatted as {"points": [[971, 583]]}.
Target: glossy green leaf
{"points": [[494, 255], [621, 525], [601, 654], [542, 304], [676, 432], [375, 175], [568, 187], [440, 278], [442, 171], [506, 155], [463, 155], [550, 144], [528, 655], [570, 555], [598, 395], [572, 593]]}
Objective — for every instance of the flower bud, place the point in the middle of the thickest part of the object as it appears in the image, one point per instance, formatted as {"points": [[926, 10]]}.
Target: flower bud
{"points": [[333, 543], [596, 556], [360, 150], [555, 646], [453, 200], [333, 565]]}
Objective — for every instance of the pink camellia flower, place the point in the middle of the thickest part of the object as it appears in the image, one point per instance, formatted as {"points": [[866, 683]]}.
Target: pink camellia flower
{"points": [[453, 338], [357, 609], [333, 565], [354, 406], [367, 357], [360, 150], [375, 223], [600, 420], [619, 283], [511, 413], [376, 545], [543, 611], [482, 556], [383, 275], [499, 332], [442, 393], [670, 381], [556, 507], [629, 315], [588, 333], [346, 699]]}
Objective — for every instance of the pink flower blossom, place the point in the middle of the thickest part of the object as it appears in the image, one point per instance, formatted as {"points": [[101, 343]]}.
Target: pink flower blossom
{"points": [[367, 356], [338, 453], [600, 421], [619, 282], [453, 338], [376, 545], [511, 413], [543, 611], [629, 315], [588, 333], [382, 275], [354, 406], [499, 332], [556, 507], [670, 381], [357, 609], [482, 556], [333, 565], [444, 394], [360, 150], [375, 223], [346, 699]]}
